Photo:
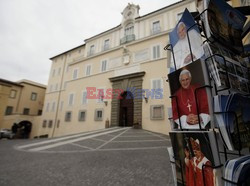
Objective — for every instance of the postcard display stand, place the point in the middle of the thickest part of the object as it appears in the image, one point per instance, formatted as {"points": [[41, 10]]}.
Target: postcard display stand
{"points": [[227, 137]]}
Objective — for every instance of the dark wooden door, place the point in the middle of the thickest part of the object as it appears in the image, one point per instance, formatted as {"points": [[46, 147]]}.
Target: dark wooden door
{"points": [[126, 109]]}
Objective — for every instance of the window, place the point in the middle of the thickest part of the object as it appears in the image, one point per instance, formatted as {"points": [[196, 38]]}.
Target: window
{"points": [[51, 88], [59, 71], [98, 114], [61, 106], [106, 45], [156, 84], [156, 52], [157, 112], [75, 73], [47, 107], [71, 99], [58, 124], [129, 30], [33, 96], [82, 115], [100, 95], [53, 107], [26, 111], [50, 123], [68, 116], [84, 98], [8, 110], [88, 70], [13, 94], [156, 27], [44, 123], [39, 113], [67, 68], [92, 50], [56, 87], [104, 65], [179, 16]]}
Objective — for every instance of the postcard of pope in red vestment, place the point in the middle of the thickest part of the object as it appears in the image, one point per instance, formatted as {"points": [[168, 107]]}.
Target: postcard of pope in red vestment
{"points": [[191, 97]]}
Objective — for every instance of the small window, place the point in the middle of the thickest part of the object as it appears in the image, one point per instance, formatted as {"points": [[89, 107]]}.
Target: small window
{"points": [[104, 65], [51, 88], [156, 52], [33, 96], [156, 27], [100, 95], [8, 110], [156, 84], [92, 50], [26, 111], [56, 87], [88, 70], [47, 107], [179, 15], [39, 113], [75, 73], [59, 72], [98, 114], [68, 116], [53, 107], [61, 106], [106, 45], [50, 123], [44, 123], [13, 94], [84, 98], [58, 124], [71, 99], [82, 115], [157, 112]]}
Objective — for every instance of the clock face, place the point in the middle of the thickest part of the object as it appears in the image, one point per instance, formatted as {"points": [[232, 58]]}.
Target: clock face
{"points": [[129, 14]]}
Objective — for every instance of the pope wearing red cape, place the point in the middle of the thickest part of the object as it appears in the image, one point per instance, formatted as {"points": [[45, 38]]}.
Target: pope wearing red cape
{"points": [[193, 167], [185, 96]]}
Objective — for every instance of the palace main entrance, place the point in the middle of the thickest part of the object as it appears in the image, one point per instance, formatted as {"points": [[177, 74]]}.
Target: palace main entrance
{"points": [[126, 106], [126, 109]]}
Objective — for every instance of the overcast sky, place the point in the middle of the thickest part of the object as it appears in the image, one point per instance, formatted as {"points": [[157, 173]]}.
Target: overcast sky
{"points": [[32, 31]]}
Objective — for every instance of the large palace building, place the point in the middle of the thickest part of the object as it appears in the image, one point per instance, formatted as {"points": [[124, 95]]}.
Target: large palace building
{"points": [[116, 78]]}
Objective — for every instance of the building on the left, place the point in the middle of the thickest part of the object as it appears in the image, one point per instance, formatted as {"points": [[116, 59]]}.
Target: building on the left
{"points": [[21, 102]]}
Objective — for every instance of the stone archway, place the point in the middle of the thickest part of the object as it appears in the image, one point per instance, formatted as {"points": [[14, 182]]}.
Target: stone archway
{"points": [[124, 83], [24, 129]]}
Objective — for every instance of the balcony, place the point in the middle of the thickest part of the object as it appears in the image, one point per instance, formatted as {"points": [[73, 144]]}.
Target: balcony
{"points": [[127, 39]]}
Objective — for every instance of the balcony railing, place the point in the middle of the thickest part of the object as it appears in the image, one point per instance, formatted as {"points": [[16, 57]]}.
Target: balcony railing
{"points": [[127, 38]]}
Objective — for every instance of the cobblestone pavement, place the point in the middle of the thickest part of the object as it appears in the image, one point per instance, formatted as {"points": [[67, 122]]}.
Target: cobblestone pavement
{"points": [[115, 156]]}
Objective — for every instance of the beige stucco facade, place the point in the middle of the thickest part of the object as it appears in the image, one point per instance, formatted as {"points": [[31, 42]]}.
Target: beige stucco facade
{"points": [[22, 100], [135, 58]]}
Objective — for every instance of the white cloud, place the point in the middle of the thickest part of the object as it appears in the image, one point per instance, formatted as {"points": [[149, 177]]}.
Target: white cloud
{"points": [[33, 31]]}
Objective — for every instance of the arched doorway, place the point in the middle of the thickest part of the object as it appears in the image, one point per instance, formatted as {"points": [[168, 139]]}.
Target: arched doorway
{"points": [[126, 109], [24, 129]]}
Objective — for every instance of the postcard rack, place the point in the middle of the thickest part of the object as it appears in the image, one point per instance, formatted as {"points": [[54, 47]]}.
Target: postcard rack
{"points": [[215, 90]]}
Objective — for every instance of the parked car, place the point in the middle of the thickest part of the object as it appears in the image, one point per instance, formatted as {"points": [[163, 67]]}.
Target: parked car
{"points": [[6, 133]]}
